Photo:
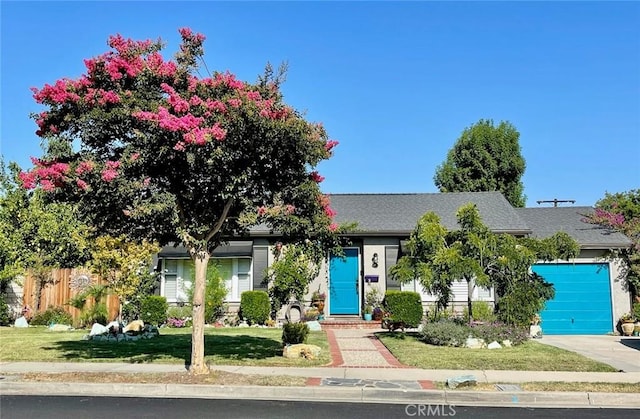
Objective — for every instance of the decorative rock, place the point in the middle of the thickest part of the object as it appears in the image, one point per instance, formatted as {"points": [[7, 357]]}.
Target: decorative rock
{"points": [[461, 381], [135, 326], [21, 322], [535, 331], [494, 345], [474, 343], [243, 324], [507, 343], [301, 350], [113, 327], [60, 328], [314, 326], [98, 329]]}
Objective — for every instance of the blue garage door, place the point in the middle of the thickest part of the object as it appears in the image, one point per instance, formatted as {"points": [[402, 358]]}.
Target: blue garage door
{"points": [[582, 304]]}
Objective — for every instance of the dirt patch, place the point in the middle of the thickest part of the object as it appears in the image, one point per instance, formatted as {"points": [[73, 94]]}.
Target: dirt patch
{"points": [[213, 378]]}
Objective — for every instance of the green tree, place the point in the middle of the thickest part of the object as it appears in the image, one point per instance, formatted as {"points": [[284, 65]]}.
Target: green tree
{"points": [[152, 149], [485, 158], [437, 257], [123, 264], [621, 212], [37, 235]]}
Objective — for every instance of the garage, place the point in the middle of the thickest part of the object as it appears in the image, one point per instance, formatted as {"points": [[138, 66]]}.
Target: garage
{"points": [[582, 304]]}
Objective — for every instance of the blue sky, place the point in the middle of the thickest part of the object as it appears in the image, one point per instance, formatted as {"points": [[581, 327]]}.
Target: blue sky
{"points": [[394, 82]]}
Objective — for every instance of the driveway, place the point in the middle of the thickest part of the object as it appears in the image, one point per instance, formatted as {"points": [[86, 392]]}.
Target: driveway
{"points": [[621, 352]]}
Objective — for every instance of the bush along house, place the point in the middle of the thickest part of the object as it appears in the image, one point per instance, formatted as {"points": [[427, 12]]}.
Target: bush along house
{"points": [[590, 292]]}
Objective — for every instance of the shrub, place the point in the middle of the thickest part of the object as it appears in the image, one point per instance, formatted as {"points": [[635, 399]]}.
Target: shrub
{"points": [[499, 332], [154, 310], [214, 294], [132, 306], [97, 313], [404, 306], [482, 311], [176, 322], [51, 315], [523, 299], [255, 307], [178, 312], [293, 333], [445, 333], [636, 311], [5, 313]]}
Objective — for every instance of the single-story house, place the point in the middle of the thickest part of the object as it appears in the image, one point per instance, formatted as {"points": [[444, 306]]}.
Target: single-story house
{"points": [[589, 293]]}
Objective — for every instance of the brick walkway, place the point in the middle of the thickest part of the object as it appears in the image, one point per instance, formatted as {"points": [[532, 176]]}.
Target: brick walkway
{"points": [[359, 348]]}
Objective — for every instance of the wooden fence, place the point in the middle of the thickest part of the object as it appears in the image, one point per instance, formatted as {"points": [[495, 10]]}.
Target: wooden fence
{"points": [[61, 290]]}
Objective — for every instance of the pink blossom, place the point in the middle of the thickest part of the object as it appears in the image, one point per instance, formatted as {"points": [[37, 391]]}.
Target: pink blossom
{"points": [[330, 145], [180, 146], [109, 174], [28, 179], [216, 105], [235, 102], [135, 156], [195, 101], [290, 209], [47, 185], [82, 184], [329, 211], [316, 177], [262, 210], [333, 227], [112, 165], [254, 95], [146, 182], [84, 167]]}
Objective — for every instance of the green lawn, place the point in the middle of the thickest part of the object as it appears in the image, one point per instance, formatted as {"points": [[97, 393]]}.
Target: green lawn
{"points": [[224, 346], [530, 356]]}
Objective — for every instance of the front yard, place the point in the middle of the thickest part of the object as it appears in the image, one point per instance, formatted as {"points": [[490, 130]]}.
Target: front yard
{"points": [[224, 346], [530, 356]]}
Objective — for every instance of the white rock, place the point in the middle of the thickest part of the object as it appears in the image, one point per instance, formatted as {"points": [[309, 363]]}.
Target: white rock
{"points": [[314, 326], [98, 329], [301, 350], [494, 345], [535, 331], [60, 327], [21, 322], [507, 343], [474, 343]]}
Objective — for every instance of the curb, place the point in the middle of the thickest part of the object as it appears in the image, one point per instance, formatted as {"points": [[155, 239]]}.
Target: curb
{"points": [[321, 394]]}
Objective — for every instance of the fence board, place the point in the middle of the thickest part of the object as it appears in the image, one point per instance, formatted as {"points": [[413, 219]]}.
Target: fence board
{"points": [[59, 292]]}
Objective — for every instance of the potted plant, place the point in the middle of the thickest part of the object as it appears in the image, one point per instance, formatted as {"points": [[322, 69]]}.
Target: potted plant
{"points": [[373, 298], [318, 301], [368, 312], [627, 323]]}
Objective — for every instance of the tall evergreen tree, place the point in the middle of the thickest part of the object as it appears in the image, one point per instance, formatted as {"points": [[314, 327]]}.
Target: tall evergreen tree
{"points": [[485, 158]]}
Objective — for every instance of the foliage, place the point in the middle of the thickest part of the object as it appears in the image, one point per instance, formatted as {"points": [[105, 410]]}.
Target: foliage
{"points": [[485, 158], [151, 149], [404, 306], [215, 293], [311, 314], [373, 297], [154, 310], [178, 322], [179, 312], [621, 212], [437, 257], [482, 311], [445, 333], [294, 333], [5, 312], [36, 235], [289, 276], [500, 332], [131, 308], [122, 263], [636, 311], [52, 315], [255, 307], [97, 313]]}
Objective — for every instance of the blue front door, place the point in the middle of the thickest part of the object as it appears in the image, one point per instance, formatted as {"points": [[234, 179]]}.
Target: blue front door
{"points": [[343, 283], [582, 304]]}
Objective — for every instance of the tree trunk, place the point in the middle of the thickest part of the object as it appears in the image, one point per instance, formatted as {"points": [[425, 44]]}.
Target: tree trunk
{"points": [[469, 295], [201, 260]]}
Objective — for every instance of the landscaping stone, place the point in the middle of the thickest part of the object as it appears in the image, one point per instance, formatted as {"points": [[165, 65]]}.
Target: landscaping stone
{"points": [[314, 326], [21, 322], [494, 345], [507, 343], [535, 331], [301, 350], [474, 343], [134, 326], [462, 381], [98, 329]]}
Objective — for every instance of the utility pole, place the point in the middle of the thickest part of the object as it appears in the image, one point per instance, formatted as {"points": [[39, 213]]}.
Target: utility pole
{"points": [[556, 201]]}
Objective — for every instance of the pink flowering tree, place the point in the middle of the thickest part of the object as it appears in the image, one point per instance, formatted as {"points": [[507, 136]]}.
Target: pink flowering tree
{"points": [[150, 148], [621, 212]]}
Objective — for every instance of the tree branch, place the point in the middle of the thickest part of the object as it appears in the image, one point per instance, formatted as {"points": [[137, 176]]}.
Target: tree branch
{"points": [[216, 228]]}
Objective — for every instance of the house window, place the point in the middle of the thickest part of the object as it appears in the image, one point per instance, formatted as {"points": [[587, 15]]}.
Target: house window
{"points": [[178, 276]]}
